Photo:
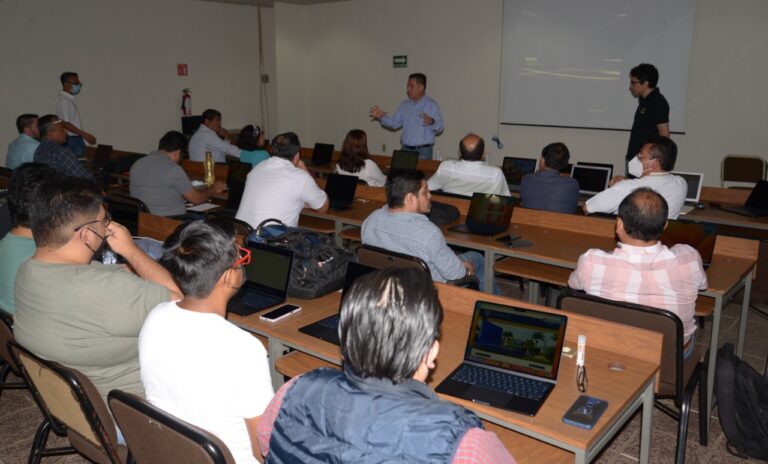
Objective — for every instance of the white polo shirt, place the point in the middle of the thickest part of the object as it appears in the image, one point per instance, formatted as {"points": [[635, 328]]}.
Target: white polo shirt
{"points": [[467, 177], [66, 110], [276, 189], [673, 188], [204, 140]]}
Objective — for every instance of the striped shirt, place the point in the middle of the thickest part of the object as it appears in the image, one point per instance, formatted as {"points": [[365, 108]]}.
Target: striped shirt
{"points": [[657, 276], [476, 447]]}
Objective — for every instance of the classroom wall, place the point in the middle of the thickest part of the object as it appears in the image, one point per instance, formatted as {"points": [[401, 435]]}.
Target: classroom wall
{"points": [[336, 59], [126, 54]]}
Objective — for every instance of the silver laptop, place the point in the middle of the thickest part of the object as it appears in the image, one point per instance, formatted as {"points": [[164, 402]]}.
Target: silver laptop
{"points": [[592, 179]]}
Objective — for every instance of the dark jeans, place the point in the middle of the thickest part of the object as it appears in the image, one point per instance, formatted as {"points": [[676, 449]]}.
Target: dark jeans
{"points": [[76, 145], [425, 153]]}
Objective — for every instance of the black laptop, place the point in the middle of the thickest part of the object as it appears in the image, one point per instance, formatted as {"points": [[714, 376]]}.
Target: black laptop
{"points": [[322, 154], [597, 165], [592, 179], [515, 169], [757, 203], [266, 281], [488, 214], [404, 159], [328, 329], [699, 235], [101, 156], [341, 191], [511, 360]]}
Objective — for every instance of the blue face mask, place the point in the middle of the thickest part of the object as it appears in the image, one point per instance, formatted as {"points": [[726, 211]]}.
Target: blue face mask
{"points": [[75, 89]]}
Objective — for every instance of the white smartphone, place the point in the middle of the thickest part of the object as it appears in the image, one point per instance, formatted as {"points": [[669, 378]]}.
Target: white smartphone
{"points": [[280, 313]]}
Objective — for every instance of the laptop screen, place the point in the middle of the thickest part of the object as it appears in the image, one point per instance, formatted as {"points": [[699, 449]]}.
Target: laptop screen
{"points": [[515, 168], [759, 196], [520, 340], [322, 154], [597, 165], [699, 235], [403, 159], [102, 155], [490, 211], [340, 187], [270, 267], [694, 181], [592, 179]]}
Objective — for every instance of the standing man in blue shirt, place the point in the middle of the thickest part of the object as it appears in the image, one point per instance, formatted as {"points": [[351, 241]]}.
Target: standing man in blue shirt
{"points": [[419, 116], [22, 149]]}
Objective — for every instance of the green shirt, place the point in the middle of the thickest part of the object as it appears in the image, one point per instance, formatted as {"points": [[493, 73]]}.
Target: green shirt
{"points": [[14, 250], [253, 156]]}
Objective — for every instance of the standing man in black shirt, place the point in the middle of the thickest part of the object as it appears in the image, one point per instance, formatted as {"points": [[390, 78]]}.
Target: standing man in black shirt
{"points": [[652, 114]]}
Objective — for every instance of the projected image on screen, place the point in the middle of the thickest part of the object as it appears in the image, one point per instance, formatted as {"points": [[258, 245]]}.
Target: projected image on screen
{"points": [[515, 168], [268, 269]]}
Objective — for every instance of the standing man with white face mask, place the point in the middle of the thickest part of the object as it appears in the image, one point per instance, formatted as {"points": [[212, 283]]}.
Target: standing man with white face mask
{"points": [[651, 167], [652, 114], [66, 110]]}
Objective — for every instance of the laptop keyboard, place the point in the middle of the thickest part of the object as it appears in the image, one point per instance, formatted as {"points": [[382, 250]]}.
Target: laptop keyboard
{"points": [[495, 380], [257, 300]]}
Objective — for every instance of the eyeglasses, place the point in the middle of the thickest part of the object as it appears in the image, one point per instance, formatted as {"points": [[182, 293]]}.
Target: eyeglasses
{"points": [[244, 258], [581, 378], [634, 82], [107, 220]]}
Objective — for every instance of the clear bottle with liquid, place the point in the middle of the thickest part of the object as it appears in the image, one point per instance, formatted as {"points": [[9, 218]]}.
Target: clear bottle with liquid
{"points": [[208, 177]]}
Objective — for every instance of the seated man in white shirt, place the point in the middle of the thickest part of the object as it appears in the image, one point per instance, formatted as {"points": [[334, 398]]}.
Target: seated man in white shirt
{"points": [[210, 136], [281, 186], [651, 167], [470, 174], [181, 337]]}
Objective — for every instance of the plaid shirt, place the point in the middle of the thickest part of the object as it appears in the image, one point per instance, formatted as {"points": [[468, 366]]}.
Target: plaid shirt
{"points": [[476, 447], [657, 276], [61, 159]]}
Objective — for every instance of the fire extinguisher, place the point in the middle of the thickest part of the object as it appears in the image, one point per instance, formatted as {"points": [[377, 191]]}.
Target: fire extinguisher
{"points": [[186, 102]]}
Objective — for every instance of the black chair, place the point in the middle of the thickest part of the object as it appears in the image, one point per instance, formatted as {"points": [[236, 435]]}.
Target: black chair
{"points": [[7, 363], [125, 210], [154, 436], [678, 377], [241, 227]]}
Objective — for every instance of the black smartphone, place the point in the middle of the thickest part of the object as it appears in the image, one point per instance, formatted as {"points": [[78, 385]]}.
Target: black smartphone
{"points": [[518, 244], [585, 412], [508, 238], [280, 313]]}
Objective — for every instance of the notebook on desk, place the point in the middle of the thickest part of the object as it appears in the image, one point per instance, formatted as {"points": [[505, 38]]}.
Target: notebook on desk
{"points": [[511, 360], [693, 181], [592, 179], [341, 191], [488, 214], [515, 169], [321, 154], [404, 159], [757, 203], [328, 329], [266, 280]]}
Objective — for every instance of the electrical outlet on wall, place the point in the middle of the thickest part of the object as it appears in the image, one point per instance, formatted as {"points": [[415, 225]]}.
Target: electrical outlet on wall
{"points": [[383, 147]]}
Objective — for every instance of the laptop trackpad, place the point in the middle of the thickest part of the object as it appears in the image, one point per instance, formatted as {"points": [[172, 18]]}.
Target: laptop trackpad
{"points": [[485, 396]]}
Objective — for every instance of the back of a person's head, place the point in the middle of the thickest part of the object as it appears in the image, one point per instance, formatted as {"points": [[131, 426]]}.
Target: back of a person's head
{"points": [[472, 153], [389, 320], [24, 188], [248, 139], [664, 149], [197, 254], [210, 114], [24, 121], [45, 124], [644, 214], [354, 151], [286, 145], [401, 182], [556, 156], [172, 141], [63, 205], [646, 72]]}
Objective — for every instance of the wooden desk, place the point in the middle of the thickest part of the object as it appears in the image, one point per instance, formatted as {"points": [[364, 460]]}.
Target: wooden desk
{"points": [[528, 438]]}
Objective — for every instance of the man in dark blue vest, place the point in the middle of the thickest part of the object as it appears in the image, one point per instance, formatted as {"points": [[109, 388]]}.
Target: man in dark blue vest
{"points": [[378, 408]]}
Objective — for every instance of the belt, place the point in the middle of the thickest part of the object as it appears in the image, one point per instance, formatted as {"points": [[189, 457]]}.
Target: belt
{"points": [[419, 146]]}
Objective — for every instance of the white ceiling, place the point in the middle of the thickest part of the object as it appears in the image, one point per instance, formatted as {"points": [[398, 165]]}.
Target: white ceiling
{"points": [[270, 3]]}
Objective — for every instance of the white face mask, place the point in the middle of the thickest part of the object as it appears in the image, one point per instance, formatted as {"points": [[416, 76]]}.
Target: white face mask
{"points": [[636, 167]]}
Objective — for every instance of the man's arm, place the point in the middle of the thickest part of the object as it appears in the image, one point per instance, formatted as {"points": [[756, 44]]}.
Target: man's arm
{"points": [[222, 145], [196, 196], [663, 129], [74, 129], [479, 446], [395, 121], [434, 113]]}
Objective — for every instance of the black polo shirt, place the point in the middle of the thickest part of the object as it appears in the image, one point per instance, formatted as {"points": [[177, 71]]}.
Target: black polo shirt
{"points": [[651, 111]]}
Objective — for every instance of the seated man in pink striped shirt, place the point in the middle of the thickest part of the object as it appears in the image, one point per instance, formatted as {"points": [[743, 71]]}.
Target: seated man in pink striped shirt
{"points": [[641, 270]]}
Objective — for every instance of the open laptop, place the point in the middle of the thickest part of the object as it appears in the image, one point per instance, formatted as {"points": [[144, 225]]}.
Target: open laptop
{"points": [[757, 203], [266, 281], [341, 191], [488, 214], [511, 360], [598, 165], [699, 235], [694, 181], [322, 154], [592, 179], [515, 168], [328, 329], [101, 156], [404, 159]]}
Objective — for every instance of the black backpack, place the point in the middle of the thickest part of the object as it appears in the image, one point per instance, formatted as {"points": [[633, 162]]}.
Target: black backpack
{"points": [[742, 404]]}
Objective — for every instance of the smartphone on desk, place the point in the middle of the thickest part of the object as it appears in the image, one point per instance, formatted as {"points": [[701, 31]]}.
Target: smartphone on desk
{"points": [[280, 313], [585, 412]]}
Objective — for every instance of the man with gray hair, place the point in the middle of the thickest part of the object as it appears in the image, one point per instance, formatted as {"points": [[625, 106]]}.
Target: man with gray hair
{"points": [[52, 151]]}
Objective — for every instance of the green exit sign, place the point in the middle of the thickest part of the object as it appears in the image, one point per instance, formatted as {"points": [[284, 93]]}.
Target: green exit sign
{"points": [[400, 61]]}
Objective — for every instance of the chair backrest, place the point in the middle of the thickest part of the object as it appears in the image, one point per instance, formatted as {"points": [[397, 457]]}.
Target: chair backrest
{"points": [[236, 177], [241, 227], [673, 374], [6, 336], [125, 210], [740, 168], [71, 403], [154, 436], [381, 258]]}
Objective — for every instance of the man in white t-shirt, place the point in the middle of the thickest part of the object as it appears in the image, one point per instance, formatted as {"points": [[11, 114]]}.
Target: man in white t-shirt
{"points": [[211, 136], [66, 110], [281, 186], [470, 174], [652, 168], [181, 339]]}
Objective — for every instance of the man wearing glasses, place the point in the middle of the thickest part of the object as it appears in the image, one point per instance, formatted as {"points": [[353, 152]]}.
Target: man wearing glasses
{"points": [[52, 150], [86, 315], [652, 114]]}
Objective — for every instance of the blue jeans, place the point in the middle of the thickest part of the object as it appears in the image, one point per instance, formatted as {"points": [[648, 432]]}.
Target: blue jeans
{"points": [[425, 153], [691, 347], [76, 145], [478, 262]]}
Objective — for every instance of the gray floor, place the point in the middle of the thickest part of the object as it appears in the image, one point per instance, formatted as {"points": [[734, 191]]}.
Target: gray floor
{"points": [[19, 416]]}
